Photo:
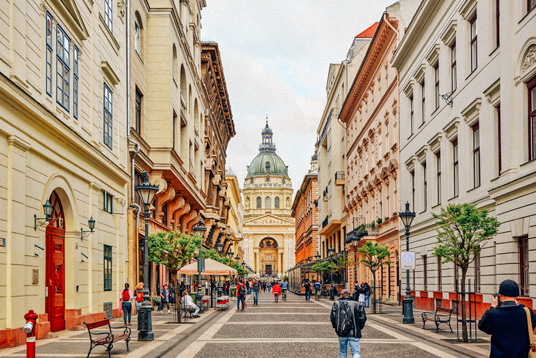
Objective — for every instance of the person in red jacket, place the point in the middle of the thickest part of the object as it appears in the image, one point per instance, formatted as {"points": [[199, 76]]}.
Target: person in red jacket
{"points": [[276, 290]]}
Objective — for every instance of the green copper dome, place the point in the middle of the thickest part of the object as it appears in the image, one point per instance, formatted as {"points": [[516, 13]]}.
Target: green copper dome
{"points": [[267, 162]]}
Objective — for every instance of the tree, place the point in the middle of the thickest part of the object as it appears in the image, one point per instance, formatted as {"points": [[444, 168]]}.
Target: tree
{"points": [[172, 249], [322, 267], [375, 257], [340, 265], [463, 231]]}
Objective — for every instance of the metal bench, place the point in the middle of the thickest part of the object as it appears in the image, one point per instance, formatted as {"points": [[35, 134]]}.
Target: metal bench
{"points": [[441, 315], [106, 339]]}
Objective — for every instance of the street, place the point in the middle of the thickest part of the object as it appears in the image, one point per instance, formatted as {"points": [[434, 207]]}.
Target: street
{"points": [[294, 328]]}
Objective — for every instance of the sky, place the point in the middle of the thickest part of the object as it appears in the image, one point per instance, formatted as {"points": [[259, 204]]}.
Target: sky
{"points": [[275, 56]]}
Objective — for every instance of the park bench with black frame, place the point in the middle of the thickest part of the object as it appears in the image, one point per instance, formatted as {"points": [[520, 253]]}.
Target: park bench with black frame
{"points": [[106, 339], [439, 316]]}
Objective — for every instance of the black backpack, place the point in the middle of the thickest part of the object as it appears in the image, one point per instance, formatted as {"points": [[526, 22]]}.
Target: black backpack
{"points": [[242, 290], [345, 319]]}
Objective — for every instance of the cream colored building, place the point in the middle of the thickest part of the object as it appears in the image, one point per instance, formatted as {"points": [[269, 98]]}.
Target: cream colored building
{"points": [[62, 140], [268, 224], [235, 218], [467, 135], [332, 150]]}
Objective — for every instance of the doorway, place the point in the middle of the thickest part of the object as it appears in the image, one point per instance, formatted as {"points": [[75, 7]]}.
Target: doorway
{"points": [[55, 266]]}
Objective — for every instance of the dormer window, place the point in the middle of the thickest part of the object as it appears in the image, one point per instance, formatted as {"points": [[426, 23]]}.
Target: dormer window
{"points": [[267, 166]]}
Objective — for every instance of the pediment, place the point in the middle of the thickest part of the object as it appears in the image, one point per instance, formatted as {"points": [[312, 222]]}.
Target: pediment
{"points": [[268, 220], [69, 12]]}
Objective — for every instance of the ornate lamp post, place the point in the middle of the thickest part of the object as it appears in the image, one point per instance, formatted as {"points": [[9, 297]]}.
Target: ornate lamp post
{"points": [[355, 242], [146, 191], [331, 251], [200, 230], [317, 257], [219, 249], [407, 218]]}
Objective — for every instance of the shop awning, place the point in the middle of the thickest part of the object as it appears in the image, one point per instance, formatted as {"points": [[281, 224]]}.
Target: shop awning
{"points": [[212, 267]]}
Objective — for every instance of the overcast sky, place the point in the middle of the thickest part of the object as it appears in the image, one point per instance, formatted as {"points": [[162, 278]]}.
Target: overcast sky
{"points": [[276, 56]]}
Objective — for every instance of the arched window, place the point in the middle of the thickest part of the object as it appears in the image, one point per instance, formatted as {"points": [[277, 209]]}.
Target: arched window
{"points": [[174, 65], [259, 202], [268, 202], [276, 202], [267, 166], [138, 27], [183, 85]]}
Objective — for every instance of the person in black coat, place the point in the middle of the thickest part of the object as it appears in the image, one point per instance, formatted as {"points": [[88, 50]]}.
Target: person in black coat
{"points": [[507, 324]]}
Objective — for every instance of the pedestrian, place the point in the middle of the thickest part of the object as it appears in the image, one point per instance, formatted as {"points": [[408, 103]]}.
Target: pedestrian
{"points": [[248, 288], [187, 302], [126, 297], [317, 288], [348, 319], [509, 323], [139, 295], [206, 288], [365, 291], [164, 299], [171, 293], [284, 288], [307, 287], [182, 287], [256, 290], [240, 295], [276, 290]]}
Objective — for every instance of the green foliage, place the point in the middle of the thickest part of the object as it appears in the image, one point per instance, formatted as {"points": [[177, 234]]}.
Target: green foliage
{"points": [[239, 268], [375, 255], [322, 266], [463, 231], [172, 249], [341, 263], [285, 278]]}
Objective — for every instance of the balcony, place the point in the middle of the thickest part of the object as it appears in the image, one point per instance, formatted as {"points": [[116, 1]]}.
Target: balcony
{"points": [[325, 222], [339, 178]]}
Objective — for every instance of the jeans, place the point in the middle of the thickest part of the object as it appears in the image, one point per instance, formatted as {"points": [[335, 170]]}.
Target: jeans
{"points": [[161, 305], [367, 300], [354, 347], [238, 300], [307, 295], [127, 310], [256, 297]]}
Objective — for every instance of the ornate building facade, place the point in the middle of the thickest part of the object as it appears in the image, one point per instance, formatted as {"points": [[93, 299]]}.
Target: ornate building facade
{"points": [[268, 224], [236, 215]]}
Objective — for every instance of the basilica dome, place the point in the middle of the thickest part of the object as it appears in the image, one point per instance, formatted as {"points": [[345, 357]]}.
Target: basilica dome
{"points": [[267, 162]]}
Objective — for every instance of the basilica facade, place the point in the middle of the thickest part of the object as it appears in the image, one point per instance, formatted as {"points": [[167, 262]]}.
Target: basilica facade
{"points": [[268, 224]]}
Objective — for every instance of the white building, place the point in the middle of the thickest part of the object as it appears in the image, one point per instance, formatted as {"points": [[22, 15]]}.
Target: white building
{"points": [[467, 72]]}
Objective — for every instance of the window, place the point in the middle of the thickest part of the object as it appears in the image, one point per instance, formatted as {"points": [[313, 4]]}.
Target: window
{"points": [[474, 42], [49, 54], [456, 168], [532, 119], [268, 202], [523, 247], [497, 22], [425, 272], [412, 174], [499, 150], [276, 202], [439, 276], [165, 214], [436, 74], [108, 17], [453, 68], [411, 115], [267, 165], [477, 272], [387, 199], [531, 4], [107, 268], [62, 67], [137, 119], [425, 187], [438, 176], [75, 82], [108, 202], [423, 102], [108, 116], [137, 35], [476, 155], [267, 179], [259, 202]]}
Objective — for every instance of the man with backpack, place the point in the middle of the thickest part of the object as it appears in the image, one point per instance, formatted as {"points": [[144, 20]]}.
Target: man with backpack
{"points": [[348, 319], [256, 289], [240, 295]]}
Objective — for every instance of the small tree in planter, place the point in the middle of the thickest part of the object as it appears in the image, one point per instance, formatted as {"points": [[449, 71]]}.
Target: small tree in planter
{"points": [[375, 257], [463, 231], [322, 267]]}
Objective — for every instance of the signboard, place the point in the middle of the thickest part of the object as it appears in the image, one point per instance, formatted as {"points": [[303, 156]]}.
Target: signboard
{"points": [[407, 260]]}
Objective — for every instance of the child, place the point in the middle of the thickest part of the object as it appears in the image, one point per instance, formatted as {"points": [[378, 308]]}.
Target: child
{"points": [[276, 290]]}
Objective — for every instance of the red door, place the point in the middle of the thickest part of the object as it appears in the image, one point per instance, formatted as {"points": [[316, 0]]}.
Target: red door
{"points": [[55, 267]]}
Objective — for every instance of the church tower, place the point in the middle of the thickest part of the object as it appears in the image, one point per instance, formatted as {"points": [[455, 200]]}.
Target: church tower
{"points": [[268, 224]]}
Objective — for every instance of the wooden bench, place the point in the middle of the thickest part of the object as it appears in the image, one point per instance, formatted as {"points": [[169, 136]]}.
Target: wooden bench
{"points": [[106, 339], [223, 302], [441, 315]]}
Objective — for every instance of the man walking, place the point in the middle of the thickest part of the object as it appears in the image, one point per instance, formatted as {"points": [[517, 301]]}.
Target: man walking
{"points": [[256, 289], [307, 287], [348, 319], [508, 323], [240, 295]]}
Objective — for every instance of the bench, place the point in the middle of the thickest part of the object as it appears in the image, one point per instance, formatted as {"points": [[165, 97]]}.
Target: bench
{"points": [[106, 339], [441, 315], [185, 310], [223, 302]]}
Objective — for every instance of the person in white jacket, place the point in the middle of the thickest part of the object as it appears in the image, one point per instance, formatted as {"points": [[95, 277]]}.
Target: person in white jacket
{"points": [[188, 302]]}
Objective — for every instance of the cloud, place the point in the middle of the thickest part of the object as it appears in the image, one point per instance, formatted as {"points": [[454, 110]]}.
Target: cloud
{"points": [[276, 56]]}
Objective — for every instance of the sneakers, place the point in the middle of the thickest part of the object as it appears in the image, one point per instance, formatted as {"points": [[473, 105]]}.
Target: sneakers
{"points": [[168, 312]]}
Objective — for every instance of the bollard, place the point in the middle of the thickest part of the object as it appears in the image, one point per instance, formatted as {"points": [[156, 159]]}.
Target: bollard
{"points": [[29, 329]]}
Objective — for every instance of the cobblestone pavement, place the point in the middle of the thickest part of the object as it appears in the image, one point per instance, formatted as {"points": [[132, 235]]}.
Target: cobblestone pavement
{"points": [[292, 328]]}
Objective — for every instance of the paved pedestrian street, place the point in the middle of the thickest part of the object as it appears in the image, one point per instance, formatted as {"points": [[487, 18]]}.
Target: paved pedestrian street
{"points": [[292, 328]]}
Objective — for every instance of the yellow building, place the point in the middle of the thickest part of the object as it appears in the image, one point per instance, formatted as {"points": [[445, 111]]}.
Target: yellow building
{"points": [[268, 224], [63, 142], [235, 218]]}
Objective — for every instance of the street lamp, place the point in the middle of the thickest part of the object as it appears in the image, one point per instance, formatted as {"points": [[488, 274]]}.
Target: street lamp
{"points": [[317, 257], [146, 191], [47, 210], [200, 230], [230, 253], [355, 242], [407, 218], [331, 251], [219, 248]]}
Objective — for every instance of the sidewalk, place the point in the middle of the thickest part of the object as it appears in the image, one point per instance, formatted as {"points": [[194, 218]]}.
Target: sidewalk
{"points": [[76, 343]]}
